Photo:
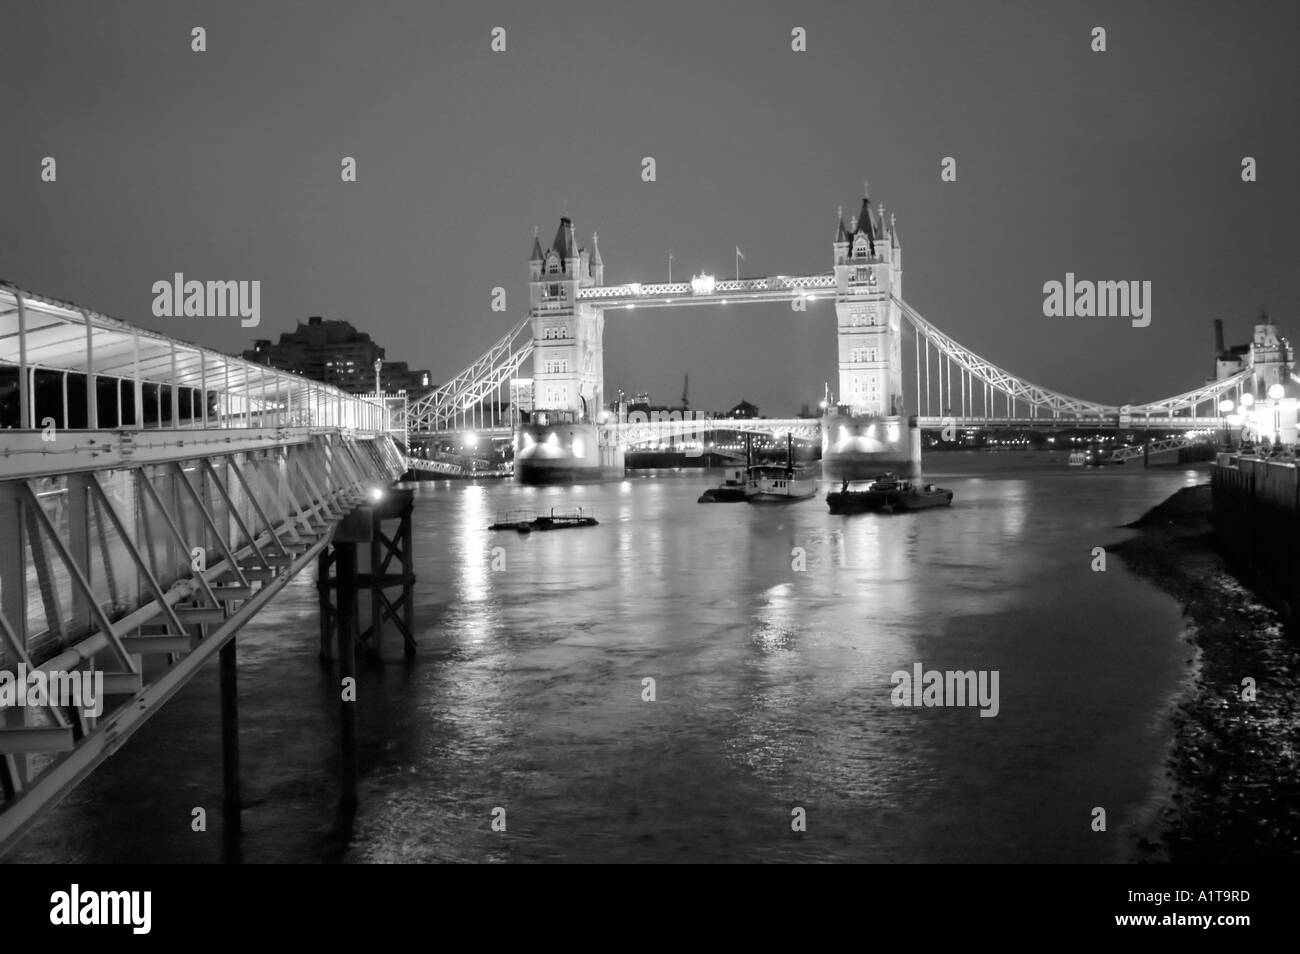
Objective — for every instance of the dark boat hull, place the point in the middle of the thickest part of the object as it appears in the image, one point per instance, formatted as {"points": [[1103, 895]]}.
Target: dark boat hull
{"points": [[856, 501], [723, 495], [921, 500]]}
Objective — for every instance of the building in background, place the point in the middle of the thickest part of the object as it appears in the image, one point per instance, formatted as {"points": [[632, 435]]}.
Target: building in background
{"points": [[334, 352]]}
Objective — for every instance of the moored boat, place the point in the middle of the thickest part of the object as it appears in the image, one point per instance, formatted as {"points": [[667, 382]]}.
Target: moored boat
{"points": [[526, 521], [861, 496], [731, 490], [920, 498], [887, 494], [778, 484]]}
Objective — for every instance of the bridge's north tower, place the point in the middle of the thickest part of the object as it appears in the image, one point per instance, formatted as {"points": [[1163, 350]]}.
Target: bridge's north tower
{"points": [[557, 437], [568, 336]]}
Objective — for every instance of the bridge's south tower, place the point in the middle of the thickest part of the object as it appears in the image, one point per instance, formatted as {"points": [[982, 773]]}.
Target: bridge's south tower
{"points": [[868, 271], [866, 432]]}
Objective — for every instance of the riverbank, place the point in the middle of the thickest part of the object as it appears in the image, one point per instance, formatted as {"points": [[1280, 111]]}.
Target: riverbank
{"points": [[1232, 791]]}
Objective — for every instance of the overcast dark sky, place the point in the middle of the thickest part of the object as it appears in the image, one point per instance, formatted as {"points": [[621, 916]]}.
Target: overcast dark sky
{"points": [[225, 165]]}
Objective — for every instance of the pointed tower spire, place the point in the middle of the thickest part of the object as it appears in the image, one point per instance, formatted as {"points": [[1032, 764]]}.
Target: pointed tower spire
{"points": [[537, 247], [840, 234], [595, 249], [563, 244]]}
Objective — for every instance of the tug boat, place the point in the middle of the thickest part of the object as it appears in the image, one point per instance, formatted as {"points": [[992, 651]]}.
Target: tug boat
{"points": [[919, 498], [731, 490], [887, 494]]}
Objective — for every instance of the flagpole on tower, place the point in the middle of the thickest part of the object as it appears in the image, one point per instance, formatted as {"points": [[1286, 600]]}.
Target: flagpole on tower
{"points": [[670, 268]]}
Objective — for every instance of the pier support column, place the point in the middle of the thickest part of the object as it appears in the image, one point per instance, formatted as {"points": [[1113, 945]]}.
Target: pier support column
{"points": [[346, 563], [231, 803]]}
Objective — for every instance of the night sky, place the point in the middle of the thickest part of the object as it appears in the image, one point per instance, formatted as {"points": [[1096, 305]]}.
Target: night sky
{"points": [[225, 165]]}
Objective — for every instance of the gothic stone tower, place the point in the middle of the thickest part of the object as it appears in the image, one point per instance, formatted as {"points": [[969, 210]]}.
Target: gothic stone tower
{"points": [[558, 439], [866, 431], [868, 271], [568, 345]]}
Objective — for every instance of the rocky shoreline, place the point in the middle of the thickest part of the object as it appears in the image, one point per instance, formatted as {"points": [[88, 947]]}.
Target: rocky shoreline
{"points": [[1232, 790]]}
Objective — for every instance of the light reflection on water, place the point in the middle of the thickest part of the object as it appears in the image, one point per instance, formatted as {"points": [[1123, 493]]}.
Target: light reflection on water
{"points": [[773, 688]]}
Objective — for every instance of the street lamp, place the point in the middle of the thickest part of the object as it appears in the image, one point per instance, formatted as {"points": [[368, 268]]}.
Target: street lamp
{"points": [[1275, 394], [1244, 409], [379, 363]]}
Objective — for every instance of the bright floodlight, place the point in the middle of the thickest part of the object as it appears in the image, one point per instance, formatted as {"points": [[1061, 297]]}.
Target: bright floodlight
{"points": [[1247, 399], [376, 494], [1226, 406], [471, 439], [1276, 392]]}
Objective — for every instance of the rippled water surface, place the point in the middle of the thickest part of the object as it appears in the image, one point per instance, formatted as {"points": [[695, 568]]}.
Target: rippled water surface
{"points": [[772, 688]]}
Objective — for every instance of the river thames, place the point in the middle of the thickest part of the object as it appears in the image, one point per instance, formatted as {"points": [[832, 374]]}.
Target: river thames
{"points": [[771, 634]]}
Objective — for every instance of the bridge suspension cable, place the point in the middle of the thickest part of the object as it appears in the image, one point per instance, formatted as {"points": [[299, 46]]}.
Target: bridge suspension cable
{"points": [[1037, 400]]}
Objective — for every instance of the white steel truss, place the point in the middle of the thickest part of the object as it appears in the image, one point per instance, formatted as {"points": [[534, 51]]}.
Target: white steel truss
{"points": [[437, 411]]}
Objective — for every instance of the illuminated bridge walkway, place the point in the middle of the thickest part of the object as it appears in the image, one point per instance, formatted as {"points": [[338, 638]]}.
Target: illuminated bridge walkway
{"points": [[156, 495]]}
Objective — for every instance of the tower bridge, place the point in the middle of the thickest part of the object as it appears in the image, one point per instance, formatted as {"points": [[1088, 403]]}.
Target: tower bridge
{"points": [[156, 495], [544, 379]]}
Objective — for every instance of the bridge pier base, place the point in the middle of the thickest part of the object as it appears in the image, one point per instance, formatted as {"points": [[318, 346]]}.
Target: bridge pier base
{"points": [[231, 801], [339, 573]]}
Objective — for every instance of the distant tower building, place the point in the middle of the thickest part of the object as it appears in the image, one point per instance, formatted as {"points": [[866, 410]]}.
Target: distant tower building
{"points": [[868, 272]]}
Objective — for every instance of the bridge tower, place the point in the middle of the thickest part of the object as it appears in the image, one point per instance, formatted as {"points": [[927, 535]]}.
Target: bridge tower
{"points": [[866, 431], [1270, 357], [558, 437], [868, 271]]}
